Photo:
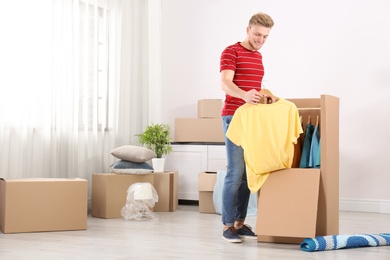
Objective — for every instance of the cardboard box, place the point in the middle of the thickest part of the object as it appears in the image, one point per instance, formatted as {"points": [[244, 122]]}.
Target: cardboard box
{"points": [[304, 218], [109, 192], [206, 185], [207, 130], [209, 108], [43, 204]]}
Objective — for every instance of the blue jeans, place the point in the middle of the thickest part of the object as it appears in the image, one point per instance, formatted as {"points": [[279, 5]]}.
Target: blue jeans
{"points": [[235, 192]]}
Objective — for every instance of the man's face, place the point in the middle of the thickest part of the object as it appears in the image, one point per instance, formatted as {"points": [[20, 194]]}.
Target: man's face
{"points": [[257, 35]]}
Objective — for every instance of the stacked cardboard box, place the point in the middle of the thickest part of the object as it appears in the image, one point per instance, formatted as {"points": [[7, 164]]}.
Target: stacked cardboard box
{"points": [[206, 188], [109, 192], [207, 127], [43, 204], [209, 108]]}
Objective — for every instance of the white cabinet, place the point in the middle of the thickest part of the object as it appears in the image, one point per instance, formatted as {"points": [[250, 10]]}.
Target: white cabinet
{"points": [[189, 161]]}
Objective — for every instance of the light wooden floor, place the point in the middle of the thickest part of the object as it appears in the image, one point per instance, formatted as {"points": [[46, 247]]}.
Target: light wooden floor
{"points": [[183, 234]]}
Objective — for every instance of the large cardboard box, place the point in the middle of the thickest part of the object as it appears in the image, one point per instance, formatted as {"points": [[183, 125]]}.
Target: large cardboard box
{"points": [[109, 192], [289, 206], [209, 108], [43, 204], [206, 185], [207, 130]]}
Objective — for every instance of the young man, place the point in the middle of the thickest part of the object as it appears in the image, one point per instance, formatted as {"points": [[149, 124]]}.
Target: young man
{"points": [[242, 72]]}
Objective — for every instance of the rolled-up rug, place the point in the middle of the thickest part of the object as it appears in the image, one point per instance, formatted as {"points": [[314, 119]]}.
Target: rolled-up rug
{"points": [[334, 242]]}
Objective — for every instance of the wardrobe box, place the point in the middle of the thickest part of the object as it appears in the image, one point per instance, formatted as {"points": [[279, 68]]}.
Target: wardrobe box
{"points": [[207, 130], [209, 108], [109, 192], [297, 203], [206, 185], [43, 204]]}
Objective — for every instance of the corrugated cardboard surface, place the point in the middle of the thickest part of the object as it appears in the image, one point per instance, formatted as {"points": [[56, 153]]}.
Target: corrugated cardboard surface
{"points": [[288, 204], [199, 130], [206, 185], [109, 192], [209, 108], [43, 204]]}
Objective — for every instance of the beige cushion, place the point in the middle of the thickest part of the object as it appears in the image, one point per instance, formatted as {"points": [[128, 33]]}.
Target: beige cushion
{"points": [[133, 153]]}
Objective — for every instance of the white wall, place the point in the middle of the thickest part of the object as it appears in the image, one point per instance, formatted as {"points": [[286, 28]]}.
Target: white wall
{"points": [[340, 48]]}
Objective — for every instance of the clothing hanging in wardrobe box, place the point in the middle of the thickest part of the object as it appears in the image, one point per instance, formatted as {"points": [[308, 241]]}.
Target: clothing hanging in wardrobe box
{"points": [[297, 203], [307, 148]]}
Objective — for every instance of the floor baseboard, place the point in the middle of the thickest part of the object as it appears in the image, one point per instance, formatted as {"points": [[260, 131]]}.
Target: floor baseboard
{"points": [[365, 205]]}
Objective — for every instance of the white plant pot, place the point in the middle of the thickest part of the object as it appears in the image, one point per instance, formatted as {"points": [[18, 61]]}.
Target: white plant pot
{"points": [[158, 164]]}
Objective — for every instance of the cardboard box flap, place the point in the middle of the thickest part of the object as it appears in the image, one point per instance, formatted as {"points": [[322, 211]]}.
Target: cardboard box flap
{"points": [[288, 204]]}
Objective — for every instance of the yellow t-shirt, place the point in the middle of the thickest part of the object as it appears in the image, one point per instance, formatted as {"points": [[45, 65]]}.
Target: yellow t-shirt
{"points": [[267, 133]]}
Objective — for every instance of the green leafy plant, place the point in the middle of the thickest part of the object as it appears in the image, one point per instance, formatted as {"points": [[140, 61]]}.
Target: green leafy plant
{"points": [[156, 137]]}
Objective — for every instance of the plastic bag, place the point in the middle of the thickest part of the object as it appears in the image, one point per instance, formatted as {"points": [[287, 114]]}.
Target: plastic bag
{"points": [[141, 198]]}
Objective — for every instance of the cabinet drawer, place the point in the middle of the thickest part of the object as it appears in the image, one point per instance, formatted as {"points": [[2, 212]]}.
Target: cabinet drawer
{"points": [[215, 165], [216, 152]]}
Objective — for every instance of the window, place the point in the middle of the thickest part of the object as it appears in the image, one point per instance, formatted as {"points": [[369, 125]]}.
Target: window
{"points": [[93, 67]]}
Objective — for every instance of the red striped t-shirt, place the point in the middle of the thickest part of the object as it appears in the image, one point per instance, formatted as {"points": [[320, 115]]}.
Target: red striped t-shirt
{"points": [[248, 73]]}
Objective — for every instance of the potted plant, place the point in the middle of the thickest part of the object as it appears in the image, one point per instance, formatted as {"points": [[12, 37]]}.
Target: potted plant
{"points": [[156, 137]]}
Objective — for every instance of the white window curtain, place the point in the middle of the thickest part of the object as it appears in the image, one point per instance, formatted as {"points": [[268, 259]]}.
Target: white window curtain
{"points": [[75, 85]]}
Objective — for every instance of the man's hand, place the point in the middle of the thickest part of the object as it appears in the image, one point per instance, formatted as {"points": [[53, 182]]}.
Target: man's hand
{"points": [[252, 96]]}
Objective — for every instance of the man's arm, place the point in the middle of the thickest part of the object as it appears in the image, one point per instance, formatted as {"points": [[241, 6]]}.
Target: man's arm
{"points": [[227, 85]]}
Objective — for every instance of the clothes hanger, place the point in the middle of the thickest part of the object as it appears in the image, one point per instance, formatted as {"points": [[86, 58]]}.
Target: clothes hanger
{"points": [[318, 119], [268, 96]]}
